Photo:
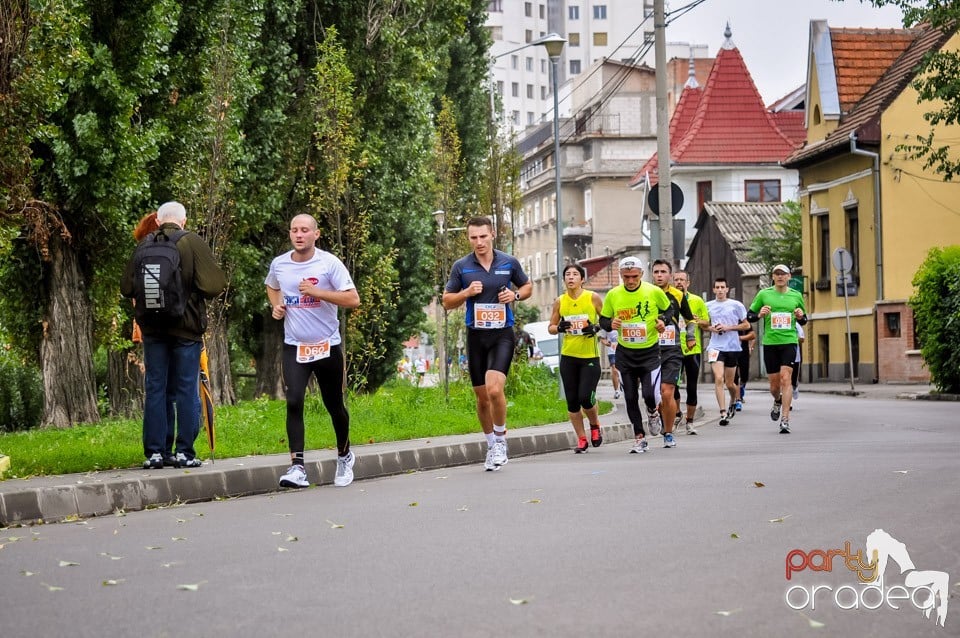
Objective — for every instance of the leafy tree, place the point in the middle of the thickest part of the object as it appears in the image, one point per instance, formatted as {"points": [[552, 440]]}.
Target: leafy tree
{"points": [[937, 82], [780, 243], [936, 310]]}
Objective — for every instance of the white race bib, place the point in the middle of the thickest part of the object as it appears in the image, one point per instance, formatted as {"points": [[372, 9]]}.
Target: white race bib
{"points": [[781, 321], [577, 324], [489, 315], [309, 352], [712, 355]]}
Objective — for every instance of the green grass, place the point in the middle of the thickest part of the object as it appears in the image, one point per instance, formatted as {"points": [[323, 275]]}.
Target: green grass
{"points": [[398, 411]]}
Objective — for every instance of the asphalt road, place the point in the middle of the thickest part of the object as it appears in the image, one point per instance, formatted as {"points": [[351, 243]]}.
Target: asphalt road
{"points": [[677, 542]]}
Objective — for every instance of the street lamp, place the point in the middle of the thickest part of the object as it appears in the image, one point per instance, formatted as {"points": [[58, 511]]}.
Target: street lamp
{"points": [[441, 217], [553, 43]]}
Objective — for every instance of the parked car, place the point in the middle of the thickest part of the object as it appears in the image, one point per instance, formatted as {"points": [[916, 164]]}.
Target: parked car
{"points": [[547, 343]]}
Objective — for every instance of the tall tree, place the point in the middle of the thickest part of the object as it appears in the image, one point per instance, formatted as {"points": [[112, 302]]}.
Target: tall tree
{"points": [[780, 243]]}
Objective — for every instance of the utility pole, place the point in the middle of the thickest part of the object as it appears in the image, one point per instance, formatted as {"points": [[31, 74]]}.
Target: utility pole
{"points": [[665, 223]]}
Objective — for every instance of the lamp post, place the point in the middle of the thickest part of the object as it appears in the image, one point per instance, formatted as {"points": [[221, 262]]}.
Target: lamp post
{"points": [[441, 217], [553, 43]]}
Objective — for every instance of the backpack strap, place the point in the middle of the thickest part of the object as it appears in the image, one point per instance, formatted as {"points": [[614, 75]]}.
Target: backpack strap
{"points": [[173, 235]]}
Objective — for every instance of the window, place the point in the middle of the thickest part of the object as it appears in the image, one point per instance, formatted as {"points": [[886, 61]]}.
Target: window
{"points": [[823, 222], [528, 9], [531, 118], [823, 344], [761, 190], [587, 205], [515, 89], [538, 268], [553, 206], [496, 33], [600, 39], [573, 39], [891, 321], [704, 194], [574, 67], [495, 6], [500, 88], [536, 212], [543, 11], [853, 240], [573, 12], [543, 92], [528, 36], [599, 12], [530, 91], [854, 355], [515, 118], [514, 62], [543, 66], [529, 62]]}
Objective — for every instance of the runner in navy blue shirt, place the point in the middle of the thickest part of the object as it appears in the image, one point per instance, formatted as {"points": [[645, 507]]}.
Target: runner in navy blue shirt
{"points": [[488, 281]]}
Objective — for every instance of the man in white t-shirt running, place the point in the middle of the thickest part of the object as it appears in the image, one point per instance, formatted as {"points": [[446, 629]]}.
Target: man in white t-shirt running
{"points": [[727, 316], [306, 287]]}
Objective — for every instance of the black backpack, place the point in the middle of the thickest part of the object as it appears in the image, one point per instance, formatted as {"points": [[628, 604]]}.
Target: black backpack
{"points": [[158, 289]]}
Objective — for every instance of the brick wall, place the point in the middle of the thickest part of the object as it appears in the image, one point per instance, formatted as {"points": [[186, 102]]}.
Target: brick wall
{"points": [[898, 360]]}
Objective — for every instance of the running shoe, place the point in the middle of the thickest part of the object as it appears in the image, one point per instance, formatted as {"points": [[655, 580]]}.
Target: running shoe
{"points": [[500, 453], [182, 461], [596, 435], [677, 421], [731, 412], [775, 411], [796, 393], [654, 423], [155, 462], [668, 440], [296, 476], [784, 427], [738, 405], [723, 418], [488, 464], [582, 445], [689, 427], [639, 447], [616, 394], [344, 475]]}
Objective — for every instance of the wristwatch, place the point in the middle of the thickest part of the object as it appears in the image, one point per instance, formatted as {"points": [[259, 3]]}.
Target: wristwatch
{"points": [[518, 295]]}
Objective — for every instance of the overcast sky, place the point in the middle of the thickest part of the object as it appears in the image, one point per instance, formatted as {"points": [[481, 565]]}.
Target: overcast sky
{"points": [[772, 35]]}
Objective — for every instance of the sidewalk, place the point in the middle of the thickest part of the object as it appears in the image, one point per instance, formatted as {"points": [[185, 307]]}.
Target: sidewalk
{"points": [[67, 497]]}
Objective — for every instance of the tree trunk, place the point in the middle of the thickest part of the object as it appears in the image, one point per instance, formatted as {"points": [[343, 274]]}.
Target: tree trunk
{"points": [[218, 354], [125, 382], [267, 358], [66, 348]]}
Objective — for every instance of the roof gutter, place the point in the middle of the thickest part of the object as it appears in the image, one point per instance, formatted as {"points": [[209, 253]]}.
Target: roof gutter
{"points": [[877, 225]]}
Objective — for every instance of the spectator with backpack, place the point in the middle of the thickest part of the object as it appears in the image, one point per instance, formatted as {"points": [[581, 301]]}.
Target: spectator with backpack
{"points": [[169, 277]]}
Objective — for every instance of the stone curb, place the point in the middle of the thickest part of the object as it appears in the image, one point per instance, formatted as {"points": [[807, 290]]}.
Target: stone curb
{"points": [[141, 489]]}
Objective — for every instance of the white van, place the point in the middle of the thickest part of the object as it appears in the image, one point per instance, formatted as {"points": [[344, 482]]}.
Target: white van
{"points": [[548, 343]]}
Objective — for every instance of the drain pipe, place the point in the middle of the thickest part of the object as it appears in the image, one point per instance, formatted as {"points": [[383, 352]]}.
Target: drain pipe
{"points": [[877, 225]]}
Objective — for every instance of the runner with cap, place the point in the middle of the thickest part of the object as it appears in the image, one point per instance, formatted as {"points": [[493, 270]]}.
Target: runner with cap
{"points": [[781, 308], [638, 311]]}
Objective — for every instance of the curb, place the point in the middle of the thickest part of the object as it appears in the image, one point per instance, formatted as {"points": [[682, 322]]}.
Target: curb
{"points": [[86, 495]]}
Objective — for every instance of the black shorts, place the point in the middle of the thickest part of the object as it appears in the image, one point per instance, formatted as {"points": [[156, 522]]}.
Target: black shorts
{"points": [[671, 363], [728, 359], [779, 356], [489, 350]]}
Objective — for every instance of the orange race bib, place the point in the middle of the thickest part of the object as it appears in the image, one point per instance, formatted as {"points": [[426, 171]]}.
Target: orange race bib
{"points": [[781, 321], [669, 336], [489, 315], [577, 324], [309, 352], [633, 332]]}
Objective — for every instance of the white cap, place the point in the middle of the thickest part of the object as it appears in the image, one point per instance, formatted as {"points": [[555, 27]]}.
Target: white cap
{"points": [[630, 262], [781, 267]]}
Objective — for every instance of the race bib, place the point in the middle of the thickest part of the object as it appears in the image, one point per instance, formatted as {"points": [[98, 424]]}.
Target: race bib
{"points": [[669, 336], [633, 332], [489, 315], [781, 321], [712, 355], [577, 324], [309, 352]]}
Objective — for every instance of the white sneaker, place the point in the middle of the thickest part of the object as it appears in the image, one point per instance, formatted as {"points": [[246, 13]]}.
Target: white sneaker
{"points": [[296, 476], [500, 453], [654, 423], [344, 476], [488, 464], [639, 447], [616, 394], [796, 394]]}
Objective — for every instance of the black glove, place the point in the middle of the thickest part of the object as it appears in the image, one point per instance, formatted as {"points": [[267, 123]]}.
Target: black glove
{"points": [[563, 326], [590, 329]]}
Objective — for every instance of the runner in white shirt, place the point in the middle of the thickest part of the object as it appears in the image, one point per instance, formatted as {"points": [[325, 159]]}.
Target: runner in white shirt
{"points": [[727, 316], [306, 287]]}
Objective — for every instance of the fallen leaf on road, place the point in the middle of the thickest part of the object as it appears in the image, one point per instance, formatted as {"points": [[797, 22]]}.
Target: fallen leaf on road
{"points": [[282, 549], [533, 500], [111, 556], [462, 509], [758, 484], [727, 613], [276, 533], [816, 624], [413, 504], [781, 519], [154, 547], [26, 573], [52, 587], [519, 601], [177, 538], [440, 478], [334, 525], [292, 539], [900, 471], [108, 583], [284, 515], [734, 535], [67, 563], [190, 587]]}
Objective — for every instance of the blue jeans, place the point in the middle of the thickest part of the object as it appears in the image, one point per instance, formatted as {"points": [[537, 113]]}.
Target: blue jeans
{"points": [[171, 361]]}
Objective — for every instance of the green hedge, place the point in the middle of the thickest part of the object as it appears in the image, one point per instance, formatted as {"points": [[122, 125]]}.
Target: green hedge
{"points": [[936, 310], [21, 394]]}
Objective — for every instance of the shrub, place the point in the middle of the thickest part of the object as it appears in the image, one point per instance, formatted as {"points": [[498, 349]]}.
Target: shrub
{"points": [[21, 393], [936, 309]]}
